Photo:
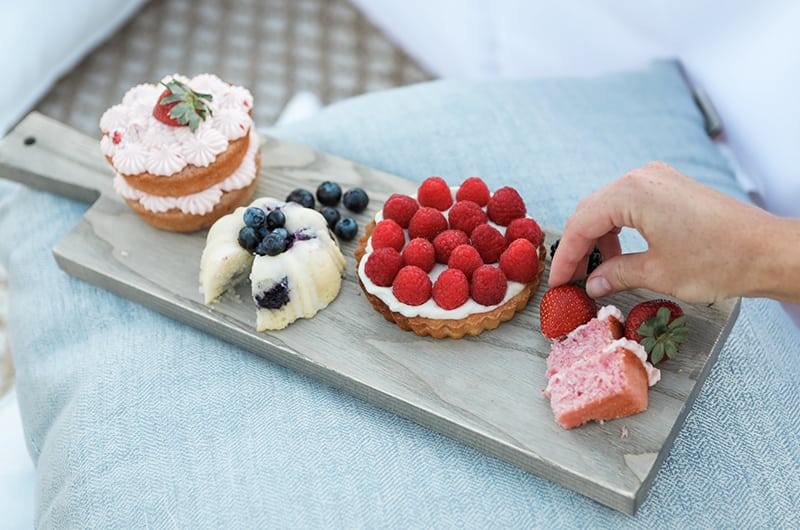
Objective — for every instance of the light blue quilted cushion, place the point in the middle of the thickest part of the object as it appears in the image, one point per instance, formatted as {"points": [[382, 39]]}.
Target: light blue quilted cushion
{"points": [[135, 420]]}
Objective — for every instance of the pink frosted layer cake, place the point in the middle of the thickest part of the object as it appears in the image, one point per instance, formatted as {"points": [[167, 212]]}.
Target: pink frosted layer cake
{"points": [[183, 176], [594, 375]]}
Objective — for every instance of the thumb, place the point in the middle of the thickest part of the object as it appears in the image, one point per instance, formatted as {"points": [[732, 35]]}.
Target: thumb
{"points": [[619, 273]]}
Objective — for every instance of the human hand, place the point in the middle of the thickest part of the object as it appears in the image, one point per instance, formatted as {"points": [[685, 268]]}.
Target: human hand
{"points": [[703, 245]]}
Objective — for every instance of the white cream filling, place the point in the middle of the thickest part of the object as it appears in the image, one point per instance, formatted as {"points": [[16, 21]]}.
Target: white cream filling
{"points": [[202, 202]]}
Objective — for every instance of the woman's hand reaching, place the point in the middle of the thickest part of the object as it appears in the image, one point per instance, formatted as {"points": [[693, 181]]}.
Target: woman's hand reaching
{"points": [[703, 245]]}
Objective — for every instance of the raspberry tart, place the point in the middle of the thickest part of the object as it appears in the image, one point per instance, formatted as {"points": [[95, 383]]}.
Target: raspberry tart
{"points": [[184, 151], [445, 263], [294, 264]]}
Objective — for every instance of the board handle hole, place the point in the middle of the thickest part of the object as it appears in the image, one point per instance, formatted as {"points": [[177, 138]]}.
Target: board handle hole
{"points": [[30, 140]]}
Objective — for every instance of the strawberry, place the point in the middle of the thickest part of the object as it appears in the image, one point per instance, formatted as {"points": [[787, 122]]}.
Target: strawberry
{"points": [[659, 326], [179, 105], [563, 309]]}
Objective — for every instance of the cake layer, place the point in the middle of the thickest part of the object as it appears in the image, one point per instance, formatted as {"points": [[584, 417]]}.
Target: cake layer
{"points": [[201, 202], [191, 178]]}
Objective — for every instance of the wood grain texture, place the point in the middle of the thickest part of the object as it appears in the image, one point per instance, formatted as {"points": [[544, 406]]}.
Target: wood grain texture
{"points": [[484, 391]]}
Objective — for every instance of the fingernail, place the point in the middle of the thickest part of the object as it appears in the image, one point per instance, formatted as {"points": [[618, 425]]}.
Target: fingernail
{"points": [[598, 287]]}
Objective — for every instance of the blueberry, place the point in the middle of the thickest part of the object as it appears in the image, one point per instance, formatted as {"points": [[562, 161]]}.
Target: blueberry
{"points": [[272, 245], [346, 228], [355, 200], [275, 297], [301, 196], [329, 193], [248, 238], [331, 216], [275, 219], [254, 217]]}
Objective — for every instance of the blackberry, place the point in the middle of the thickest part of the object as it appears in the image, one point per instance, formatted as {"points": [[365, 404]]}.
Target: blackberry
{"points": [[355, 200], [329, 193], [301, 196], [595, 258]]}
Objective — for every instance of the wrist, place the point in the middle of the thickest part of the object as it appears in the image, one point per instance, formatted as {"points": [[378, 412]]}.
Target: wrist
{"points": [[775, 248]]}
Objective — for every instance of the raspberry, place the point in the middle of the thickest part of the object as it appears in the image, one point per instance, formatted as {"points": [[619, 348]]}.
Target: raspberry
{"points": [[520, 261], [426, 222], [475, 190], [388, 233], [465, 216], [524, 228], [505, 206], [435, 192], [420, 252], [451, 289], [412, 286], [382, 266], [489, 242], [488, 286], [446, 241], [466, 259], [400, 208]]}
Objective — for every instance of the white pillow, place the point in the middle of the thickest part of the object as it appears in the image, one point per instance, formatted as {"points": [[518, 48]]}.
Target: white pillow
{"points": [[41, 40]]}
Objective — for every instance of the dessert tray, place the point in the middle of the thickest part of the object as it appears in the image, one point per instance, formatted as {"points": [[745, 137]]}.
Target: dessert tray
{"points": [[484, 391]]}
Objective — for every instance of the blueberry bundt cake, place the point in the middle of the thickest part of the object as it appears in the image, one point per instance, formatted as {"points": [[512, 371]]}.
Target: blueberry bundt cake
{"points": [[184, 151], [294, 264]]}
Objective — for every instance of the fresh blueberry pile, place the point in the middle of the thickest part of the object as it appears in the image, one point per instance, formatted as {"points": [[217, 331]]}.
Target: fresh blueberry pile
{"points": [[264, 233], [329, 195]]}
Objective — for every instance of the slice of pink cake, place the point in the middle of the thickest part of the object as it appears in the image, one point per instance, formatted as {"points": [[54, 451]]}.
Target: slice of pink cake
{"points": [[594, 374]]}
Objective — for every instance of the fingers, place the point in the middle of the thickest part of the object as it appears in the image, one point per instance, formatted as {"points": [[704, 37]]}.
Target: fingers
{"points": [[620, 273], [588, 227]]}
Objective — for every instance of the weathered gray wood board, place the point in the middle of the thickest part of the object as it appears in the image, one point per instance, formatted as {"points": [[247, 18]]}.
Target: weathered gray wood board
{"points": [[483, 391]]}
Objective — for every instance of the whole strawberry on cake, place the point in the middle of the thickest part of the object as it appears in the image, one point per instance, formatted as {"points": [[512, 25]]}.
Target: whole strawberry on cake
{"points": [[184, 151], [451, 261]]}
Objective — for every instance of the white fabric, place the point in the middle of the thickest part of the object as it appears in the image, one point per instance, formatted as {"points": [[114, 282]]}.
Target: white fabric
{"points": [[745, 55], [17, 475], [41, 40]]}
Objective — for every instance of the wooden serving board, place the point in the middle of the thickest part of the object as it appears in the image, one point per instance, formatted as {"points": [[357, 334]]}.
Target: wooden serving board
{"points": [[484, 391]]}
